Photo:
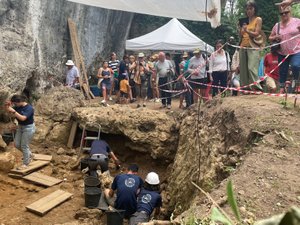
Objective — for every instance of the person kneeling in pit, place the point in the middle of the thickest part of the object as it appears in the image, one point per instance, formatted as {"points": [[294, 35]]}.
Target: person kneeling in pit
{"points": [[149, 200], [100, 153], [127, 187]]}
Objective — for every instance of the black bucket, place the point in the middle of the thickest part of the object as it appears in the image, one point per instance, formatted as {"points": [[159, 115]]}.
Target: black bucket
{"points": [[91, 181], [115, 217], [92, 197], [84, 163]]}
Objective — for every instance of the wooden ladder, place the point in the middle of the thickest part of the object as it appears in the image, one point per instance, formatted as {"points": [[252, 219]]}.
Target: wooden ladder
{"points": [[79, 62]]}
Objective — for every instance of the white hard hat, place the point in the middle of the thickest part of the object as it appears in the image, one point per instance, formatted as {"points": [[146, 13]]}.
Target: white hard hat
{"points": [[70, 63], [152, 178]]}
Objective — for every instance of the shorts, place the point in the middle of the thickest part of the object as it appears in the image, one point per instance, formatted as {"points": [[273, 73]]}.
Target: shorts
{"points": [[106, 84], [235, 82], [198, 86], [271, 83], [123, 94], [116, 84], [99, 160], [138, 217]]}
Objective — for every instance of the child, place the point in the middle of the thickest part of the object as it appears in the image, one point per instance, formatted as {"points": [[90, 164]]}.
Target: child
{"points": [[125, 90]]}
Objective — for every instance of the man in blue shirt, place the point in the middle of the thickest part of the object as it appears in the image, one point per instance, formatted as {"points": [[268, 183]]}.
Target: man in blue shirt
{"points": [[127, 187], [149, 200], [99, 153]]}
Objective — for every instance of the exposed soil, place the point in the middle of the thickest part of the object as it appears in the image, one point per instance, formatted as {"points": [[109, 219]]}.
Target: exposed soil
{"points": [[266, 180]]}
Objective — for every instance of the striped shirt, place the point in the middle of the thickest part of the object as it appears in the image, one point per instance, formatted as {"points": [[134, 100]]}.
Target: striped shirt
{"points": [[286, 32], [114, 65]]}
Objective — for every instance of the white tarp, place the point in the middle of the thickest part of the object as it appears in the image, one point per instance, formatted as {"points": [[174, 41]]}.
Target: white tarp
{"points": [[197, 10], [171, 36]]}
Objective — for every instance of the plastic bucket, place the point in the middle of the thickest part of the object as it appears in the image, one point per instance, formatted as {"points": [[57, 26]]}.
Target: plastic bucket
{"points": [[87, 162], [115, 217], [92, 197], [91, 181]]}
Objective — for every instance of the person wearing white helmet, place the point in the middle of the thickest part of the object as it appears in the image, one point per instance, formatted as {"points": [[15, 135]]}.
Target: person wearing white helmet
{"points": [[72, 75], [148, 200]]}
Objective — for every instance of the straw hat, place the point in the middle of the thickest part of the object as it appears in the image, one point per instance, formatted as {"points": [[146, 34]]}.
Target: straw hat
{"points": [[185, 55], [259, 41], [141, 55], [197, 50], [70, 63]]}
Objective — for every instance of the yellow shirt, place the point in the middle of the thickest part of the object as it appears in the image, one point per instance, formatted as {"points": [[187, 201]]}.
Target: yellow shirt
{"points": [[124, 86], [245, 37]]}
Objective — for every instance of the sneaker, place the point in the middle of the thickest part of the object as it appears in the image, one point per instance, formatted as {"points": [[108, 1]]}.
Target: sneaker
{"points": [[103, 101], [169, 107], [23, 167], [157, 100], [110, 99]]}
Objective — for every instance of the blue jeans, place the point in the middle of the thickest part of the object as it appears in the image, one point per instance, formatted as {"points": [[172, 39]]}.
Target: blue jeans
{"points": [[23, 137], [294, 61]]}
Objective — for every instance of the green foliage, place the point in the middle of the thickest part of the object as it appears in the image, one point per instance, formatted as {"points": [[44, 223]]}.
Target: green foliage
{"points": [[232, 201], [217, 216], [296, 10]]}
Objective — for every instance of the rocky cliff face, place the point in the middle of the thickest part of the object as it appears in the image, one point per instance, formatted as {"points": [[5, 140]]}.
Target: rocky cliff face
{"points": [[35, 40]]}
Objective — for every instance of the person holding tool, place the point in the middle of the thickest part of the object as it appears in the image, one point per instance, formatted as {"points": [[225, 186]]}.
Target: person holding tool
{"points": [[24, 113]]}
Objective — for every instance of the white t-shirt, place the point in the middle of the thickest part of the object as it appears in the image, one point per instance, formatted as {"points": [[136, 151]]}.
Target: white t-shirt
{"points": [[194, 64], [162, 68], [219, 62], [72, 74]]}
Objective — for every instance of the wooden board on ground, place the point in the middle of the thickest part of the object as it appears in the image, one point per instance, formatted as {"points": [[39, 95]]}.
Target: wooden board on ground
{"points": [[42, 179], [72, 134], [42, 157], [33, 166], [44, 205], [15, 176]]}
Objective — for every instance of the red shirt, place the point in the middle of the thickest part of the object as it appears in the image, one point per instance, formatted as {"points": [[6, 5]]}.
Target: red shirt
{"points": [[270, 62]]}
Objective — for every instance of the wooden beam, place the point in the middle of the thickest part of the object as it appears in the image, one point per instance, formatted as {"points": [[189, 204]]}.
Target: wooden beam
{"points": [[42, 179], [42, 157], [35, 165], [72, 134], [44, 205]]}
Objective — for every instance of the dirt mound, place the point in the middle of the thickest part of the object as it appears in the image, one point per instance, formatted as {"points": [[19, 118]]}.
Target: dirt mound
{"points": [[145, 130], [254, 140], [53, 113]]}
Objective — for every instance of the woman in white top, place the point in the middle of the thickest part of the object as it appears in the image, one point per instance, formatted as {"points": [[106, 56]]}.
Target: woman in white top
{"points": [[219, 67]]}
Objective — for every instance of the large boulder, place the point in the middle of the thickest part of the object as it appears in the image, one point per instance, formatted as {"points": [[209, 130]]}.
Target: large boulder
{"points": [[144, 130], [5, 93], [2, 144], [7, 161], [58, 103]]}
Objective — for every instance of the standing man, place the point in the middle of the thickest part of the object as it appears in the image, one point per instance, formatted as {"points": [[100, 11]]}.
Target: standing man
{"points": [[72, 75], [128, 187], [113, 64], [197, 69], [164, 70]]}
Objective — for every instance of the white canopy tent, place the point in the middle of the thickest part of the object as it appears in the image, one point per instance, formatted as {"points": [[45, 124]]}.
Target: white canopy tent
{"points": [[171, 36], [197, 10]]}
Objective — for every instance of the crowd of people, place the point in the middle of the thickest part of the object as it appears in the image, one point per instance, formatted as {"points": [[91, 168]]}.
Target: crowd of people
{"points": [[157, 77]]}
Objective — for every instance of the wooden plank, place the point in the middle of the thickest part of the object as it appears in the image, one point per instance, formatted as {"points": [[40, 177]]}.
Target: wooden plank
{"points": [[15, 176], [35, 165], [72, 134], [42, 179], [42, 157], [44, 205]]}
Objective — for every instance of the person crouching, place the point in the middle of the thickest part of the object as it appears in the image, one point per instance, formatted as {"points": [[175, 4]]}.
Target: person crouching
{"points": [[149, 200]]}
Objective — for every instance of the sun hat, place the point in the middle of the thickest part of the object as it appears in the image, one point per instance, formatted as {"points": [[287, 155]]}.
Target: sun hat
{"points": [[141, 55], [197, 50], [284, 9], [70, 63], [185, 55]]}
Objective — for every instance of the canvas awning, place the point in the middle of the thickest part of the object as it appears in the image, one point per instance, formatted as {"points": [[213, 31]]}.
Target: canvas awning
{"points": [[197, 10], [171, 36]]}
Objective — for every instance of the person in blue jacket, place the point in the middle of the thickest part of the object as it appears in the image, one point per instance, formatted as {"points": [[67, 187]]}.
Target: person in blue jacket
{"points": [[149, 200]]}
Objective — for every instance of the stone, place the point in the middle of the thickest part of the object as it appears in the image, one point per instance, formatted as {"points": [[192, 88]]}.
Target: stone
{"points": [[3, 145], [7, 161], [71, 152], [59, 133], [5, 93], [144, 130], [43, 128], [85, 213], [60, 151]]}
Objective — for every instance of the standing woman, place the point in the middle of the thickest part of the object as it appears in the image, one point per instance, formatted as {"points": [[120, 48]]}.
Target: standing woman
{"points": [[113, 64], [24, 113], [249, 58], [105, 74], [288, 28], [132, 67], [219, 67]]}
